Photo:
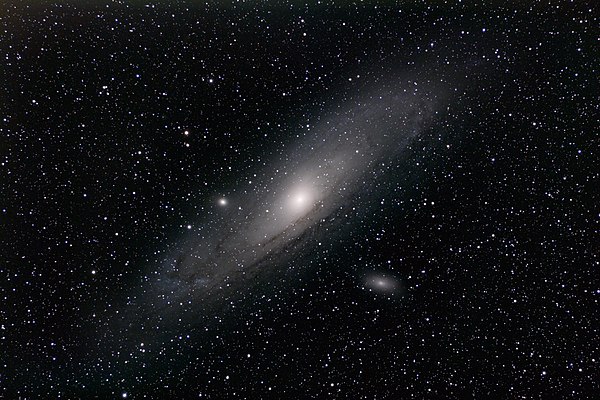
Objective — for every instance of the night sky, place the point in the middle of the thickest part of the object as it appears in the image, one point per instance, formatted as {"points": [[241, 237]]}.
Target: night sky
{"points": [[300, 200]]}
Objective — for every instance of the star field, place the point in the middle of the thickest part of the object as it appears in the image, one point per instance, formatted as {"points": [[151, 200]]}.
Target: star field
{"points": [[363, 200]]}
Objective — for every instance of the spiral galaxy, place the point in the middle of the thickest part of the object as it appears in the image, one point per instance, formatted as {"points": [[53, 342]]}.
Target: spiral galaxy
{"points": [[298, 200]]}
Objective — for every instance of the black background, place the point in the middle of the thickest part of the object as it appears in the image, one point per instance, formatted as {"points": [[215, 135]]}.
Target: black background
{"points": [[489, 221]]}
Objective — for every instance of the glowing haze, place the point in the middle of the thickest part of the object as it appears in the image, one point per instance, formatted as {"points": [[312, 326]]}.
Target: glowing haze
{"points": [[317, 176], [260, 225]]}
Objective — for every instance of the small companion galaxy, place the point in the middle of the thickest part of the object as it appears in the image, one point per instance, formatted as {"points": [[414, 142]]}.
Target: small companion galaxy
{"points": [[300, 200]]}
